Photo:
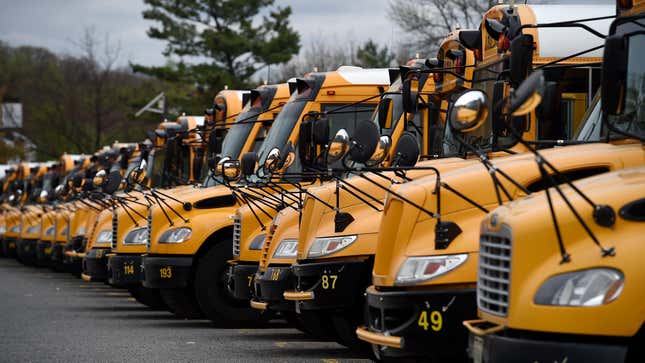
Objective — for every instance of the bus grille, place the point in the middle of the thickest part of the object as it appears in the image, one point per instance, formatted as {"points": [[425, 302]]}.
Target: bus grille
{"points": [[149, 227], [115, 227], [493, 280], [266, 246], [237, 234]]}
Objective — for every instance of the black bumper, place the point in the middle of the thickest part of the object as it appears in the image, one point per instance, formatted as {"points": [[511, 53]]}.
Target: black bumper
{"points": [[57, 255], [125, 270], [335, 285], [95, 264], [9, 246], [239, 279], [429, 322], [44, 251], [515, 346], [270, 285], [26, 250], [76, 244], [167, 272]]}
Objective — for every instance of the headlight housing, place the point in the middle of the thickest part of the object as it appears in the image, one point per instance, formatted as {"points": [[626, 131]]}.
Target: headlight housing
{"points": [[418, 269], [327, 245], [592, 287], [105, 236], [176, 235], [257, 242], [288, 248], [15, 229], [50, 231], [33, 230], [137, 236], [3, 229]]}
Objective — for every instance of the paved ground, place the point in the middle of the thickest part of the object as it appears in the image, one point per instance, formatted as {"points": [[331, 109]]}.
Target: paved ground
{"points": [[49, 316]]}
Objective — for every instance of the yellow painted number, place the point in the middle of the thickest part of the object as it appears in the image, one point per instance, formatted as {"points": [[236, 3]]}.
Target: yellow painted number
{"points": [[435, 323], [165, 272], [329, 281], [250, 279], [275, 275], [128, 269]]}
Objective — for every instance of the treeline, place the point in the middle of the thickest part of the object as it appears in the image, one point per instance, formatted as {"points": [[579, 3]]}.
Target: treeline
{"points": [[76, 104]]}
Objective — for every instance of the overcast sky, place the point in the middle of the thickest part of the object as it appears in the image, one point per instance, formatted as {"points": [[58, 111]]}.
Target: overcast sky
{"points": [[55, 24]]}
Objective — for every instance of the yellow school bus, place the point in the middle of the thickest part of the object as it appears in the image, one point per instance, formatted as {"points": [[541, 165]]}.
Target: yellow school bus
{"points": [[576, 295]]}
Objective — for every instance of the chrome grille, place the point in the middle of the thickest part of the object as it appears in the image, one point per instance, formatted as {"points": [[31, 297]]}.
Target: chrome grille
{"points": [[149, 227], [115, 228], [266, 246], [237, 234], [493, 280]]}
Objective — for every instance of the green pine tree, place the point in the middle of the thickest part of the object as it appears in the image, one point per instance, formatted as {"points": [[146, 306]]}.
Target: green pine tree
{"points": [[219, 42], [370, 56]]}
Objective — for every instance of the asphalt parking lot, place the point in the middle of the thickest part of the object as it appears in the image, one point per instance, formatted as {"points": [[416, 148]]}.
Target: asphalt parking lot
{"points": [[50, 316]]}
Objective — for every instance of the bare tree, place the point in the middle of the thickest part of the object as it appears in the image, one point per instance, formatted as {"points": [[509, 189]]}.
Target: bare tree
{"points": [[427, 22], [319, 55], [100, 60]]}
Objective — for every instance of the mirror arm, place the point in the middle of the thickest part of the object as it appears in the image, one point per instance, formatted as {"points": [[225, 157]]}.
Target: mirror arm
{"points": [[572, 24]]}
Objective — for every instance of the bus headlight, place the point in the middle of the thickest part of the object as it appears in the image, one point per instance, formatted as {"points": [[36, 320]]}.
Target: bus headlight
{"points": [[419, 269], [33, 230], [177, 235], [328, 245], [105, 236], [288, 248], [592, 287], [3, 230], [137, 236]]}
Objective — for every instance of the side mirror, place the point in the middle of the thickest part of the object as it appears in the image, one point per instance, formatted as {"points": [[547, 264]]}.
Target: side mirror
{"points": [[215, 142], [248, 163], [321, 131], [521, 58], [528, 95], [364, 142], [410, 93], [229, 168], [112, 182], [272, 161], [382, 149], [614, 74], [338, 147], [406, 153], [469, 111], [384, 112], [43, 197], [288, 156], [59, 190], [99, 178]]}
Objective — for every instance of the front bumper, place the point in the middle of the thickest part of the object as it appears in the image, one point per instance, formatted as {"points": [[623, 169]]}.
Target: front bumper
{"points": [[125, 270], [329, 285], [9, 246], [95, 265], [57, 255], [419, 323], [44, 251], [73, 251], [269, 287], [26, 249], [519, 346], [171, 272], [239, 280]]}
